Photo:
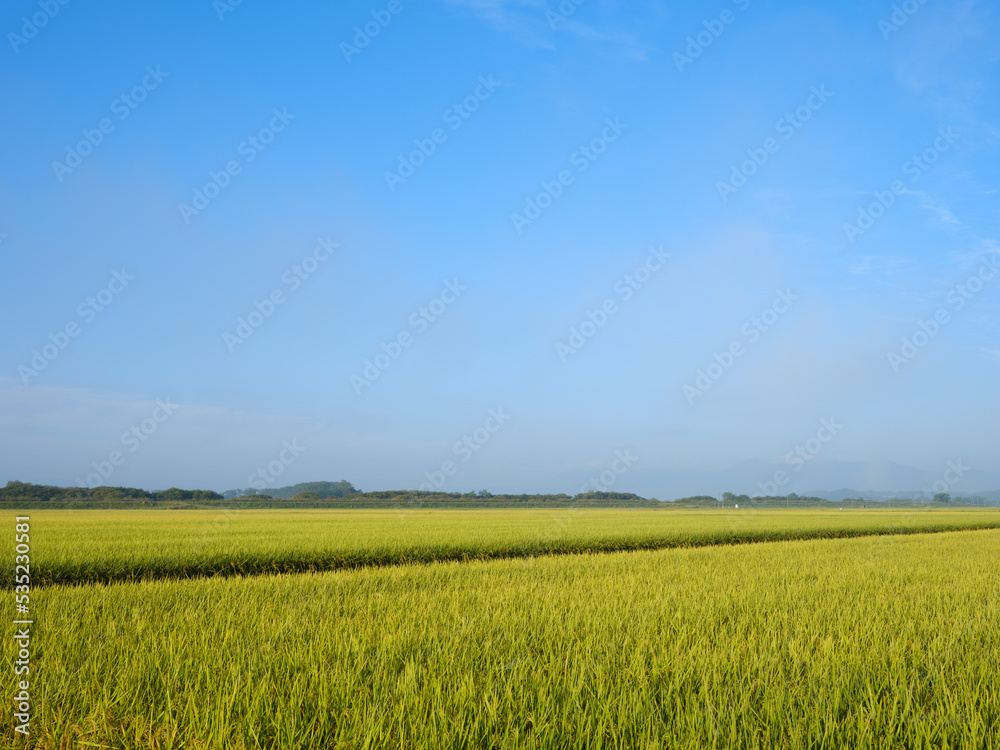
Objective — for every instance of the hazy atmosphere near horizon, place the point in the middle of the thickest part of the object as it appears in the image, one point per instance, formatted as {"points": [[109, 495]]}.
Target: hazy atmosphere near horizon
{"points": [[648, 247]]}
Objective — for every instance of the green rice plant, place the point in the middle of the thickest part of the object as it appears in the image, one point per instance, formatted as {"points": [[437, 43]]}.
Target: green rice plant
{"points": [[879, 641], [86, 546]]}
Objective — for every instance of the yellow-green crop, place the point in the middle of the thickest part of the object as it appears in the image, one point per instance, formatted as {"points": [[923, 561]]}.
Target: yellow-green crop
{"points": [[880, 641], [100, 546]]}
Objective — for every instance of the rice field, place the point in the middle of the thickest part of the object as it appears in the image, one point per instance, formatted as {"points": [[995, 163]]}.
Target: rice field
{"points": [[887, 640], [89, 546]]}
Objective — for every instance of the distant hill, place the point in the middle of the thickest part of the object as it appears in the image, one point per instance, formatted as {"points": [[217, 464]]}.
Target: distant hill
{"points": [[970, 498], [318, 489], [728, 500], [818, 478], [343, 488], [343, 494], [348, 495]]}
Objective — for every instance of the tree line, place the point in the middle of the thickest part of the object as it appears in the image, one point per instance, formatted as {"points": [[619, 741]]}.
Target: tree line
{"points": [[23, 491]]}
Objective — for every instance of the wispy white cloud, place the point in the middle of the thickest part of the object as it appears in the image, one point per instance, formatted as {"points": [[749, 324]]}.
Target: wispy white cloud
{"points": [[535, 23], [773, 194], [939, 210], [524, 20], [881, 265], [947, 55], [635, 49]]}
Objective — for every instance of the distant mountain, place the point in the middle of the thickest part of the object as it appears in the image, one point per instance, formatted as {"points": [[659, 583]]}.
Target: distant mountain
{"points": [[832, 480], [991, 498]]}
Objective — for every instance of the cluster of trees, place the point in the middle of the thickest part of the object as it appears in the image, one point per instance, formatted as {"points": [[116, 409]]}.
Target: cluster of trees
{"points": [[343, 488], [730, 500], [406, 496], [345, 494], [305, 492], [429, 500], [25, 492], [943, 498], [600, 495]]}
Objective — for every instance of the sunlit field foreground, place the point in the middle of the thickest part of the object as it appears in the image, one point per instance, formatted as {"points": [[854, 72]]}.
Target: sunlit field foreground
{"points": [[880, 641], [92, 546]]}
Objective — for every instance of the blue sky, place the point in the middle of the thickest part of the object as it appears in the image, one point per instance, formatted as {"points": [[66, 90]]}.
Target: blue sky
{"points": [[566, 151]]}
